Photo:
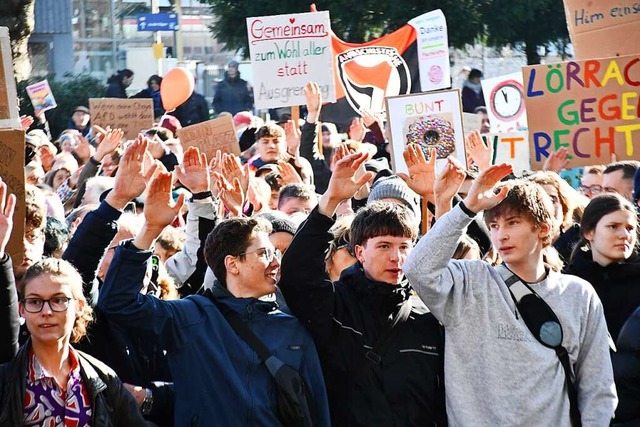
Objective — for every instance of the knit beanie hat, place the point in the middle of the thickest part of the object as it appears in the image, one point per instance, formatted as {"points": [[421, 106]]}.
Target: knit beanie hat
{"points": [[279, 222], [393, 187]]}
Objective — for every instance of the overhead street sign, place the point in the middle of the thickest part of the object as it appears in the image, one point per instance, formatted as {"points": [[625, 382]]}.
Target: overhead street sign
{"points": [[157, 22]]}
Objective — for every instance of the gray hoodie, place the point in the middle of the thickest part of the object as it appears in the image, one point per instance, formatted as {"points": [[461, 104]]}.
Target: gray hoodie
{"points": [[496, 372]]}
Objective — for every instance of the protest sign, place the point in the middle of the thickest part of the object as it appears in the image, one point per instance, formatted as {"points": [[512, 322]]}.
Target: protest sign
{"points": [[287, 51], [41, 97], [12, 173], [590, 107], [210, 136], [512, 148], [504, 97], [431, 120], [433, 50], [130, 115], [602, 29], [9, 116]]}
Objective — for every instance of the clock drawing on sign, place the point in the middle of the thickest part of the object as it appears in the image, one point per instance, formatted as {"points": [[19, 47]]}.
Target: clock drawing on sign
{"points": [[506, 100]]}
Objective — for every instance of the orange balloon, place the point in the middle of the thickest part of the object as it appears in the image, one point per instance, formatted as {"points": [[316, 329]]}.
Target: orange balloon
{"points": [[176, 87]]}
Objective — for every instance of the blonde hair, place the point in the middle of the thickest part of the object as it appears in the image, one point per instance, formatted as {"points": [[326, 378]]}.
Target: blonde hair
{"points": [[54, 267]]}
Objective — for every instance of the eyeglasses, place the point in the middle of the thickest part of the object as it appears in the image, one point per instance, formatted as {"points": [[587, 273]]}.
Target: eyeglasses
{"points": [[33, 235], [593, 189], [57, 304], [268, 253]]}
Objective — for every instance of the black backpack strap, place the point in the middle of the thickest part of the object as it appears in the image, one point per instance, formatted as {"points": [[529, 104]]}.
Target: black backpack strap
{"points": [[374, 355], [521, 291]]}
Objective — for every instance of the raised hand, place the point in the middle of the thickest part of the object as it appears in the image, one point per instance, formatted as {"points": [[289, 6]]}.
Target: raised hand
{"points": [[447, 185], [314, 101], [159, 209], [481, 154], [7, 206], [288, 174], [83, 150], [557, 160], [422, 172], [132, 178], [357, 130], [481, 195], [343, 185], [26, 122], [111, 140], [231, 196], [367, 117], [193, 172], [232, 169], [292, 132]]}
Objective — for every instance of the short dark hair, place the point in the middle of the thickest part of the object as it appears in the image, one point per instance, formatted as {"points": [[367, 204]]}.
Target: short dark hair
{"points": [[382, 219], [56, 235], [628, 168], [154, 78], [475, 73], [163, 133], [295, 191], [36, 206], [231, 237], [529, 199], [270, 130]]}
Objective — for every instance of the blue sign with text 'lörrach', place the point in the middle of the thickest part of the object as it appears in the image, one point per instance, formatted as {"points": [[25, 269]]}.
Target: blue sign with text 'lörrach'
{"points": [[157, 22]]}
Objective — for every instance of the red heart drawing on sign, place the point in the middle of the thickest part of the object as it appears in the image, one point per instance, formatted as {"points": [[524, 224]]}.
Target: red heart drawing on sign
{"points": [[292, 20]]}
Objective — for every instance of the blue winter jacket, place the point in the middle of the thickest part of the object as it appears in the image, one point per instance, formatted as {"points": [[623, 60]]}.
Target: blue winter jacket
{"points": [[218, 378]]}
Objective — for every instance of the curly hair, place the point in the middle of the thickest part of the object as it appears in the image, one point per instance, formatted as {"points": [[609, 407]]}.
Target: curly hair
{"points": [[54, 267]]}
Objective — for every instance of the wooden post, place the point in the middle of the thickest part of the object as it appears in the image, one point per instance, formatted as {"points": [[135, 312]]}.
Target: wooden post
{"points": [[426, 216]]}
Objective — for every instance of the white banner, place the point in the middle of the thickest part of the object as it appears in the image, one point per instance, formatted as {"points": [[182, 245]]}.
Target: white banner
{"points": [[512, 148], [433, 50], [287, 51]]}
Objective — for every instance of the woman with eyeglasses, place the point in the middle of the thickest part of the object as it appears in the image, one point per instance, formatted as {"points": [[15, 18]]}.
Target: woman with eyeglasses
{"points": [[49, 383], [607, 258]]}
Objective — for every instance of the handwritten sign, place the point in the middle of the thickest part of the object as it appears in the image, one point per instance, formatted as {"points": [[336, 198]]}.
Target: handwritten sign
{"points": [[504, 97], [41, 97], [12, 173], [130, 115], [431, 120], [210, 136], [512, 148], [601, 29], [433, 50], [9, 117], [590, 107], [287, 51]]}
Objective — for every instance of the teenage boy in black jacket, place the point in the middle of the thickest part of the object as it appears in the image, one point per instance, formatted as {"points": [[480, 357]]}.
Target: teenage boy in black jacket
{"points": [[402, 384]]}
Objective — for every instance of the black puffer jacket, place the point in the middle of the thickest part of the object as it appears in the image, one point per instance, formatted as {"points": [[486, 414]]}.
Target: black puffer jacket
{"points": [[626, 369], [111, 404], [346, 319], [617, 285]]}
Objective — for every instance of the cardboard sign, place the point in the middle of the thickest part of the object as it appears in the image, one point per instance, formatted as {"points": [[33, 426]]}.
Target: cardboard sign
{"points": [[287, 51], [41, 97], [504, 97], [130, 115], [512, 148], [433, 50], [12, 173], [602, 29], [9, 116], [590, 107], [210, 136], [430, 120]]}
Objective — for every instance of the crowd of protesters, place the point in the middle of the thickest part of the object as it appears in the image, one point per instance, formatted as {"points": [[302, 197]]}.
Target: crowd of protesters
{"points": [[303, 283]]}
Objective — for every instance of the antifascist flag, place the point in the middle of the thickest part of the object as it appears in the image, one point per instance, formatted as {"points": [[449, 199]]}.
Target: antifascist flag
{"points": [[367, 73]]}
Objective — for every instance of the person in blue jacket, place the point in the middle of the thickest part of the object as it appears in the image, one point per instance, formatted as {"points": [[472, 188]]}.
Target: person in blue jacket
{"points": [[218, 378]]}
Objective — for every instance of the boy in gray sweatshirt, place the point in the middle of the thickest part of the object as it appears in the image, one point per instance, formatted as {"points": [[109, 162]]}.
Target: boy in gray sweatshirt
{"points": [[496, 372]]}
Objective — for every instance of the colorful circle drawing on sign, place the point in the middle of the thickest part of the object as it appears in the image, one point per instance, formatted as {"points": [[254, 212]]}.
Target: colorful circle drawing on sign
{"points": [[506, 100], [435, 74], [431, 131]]}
